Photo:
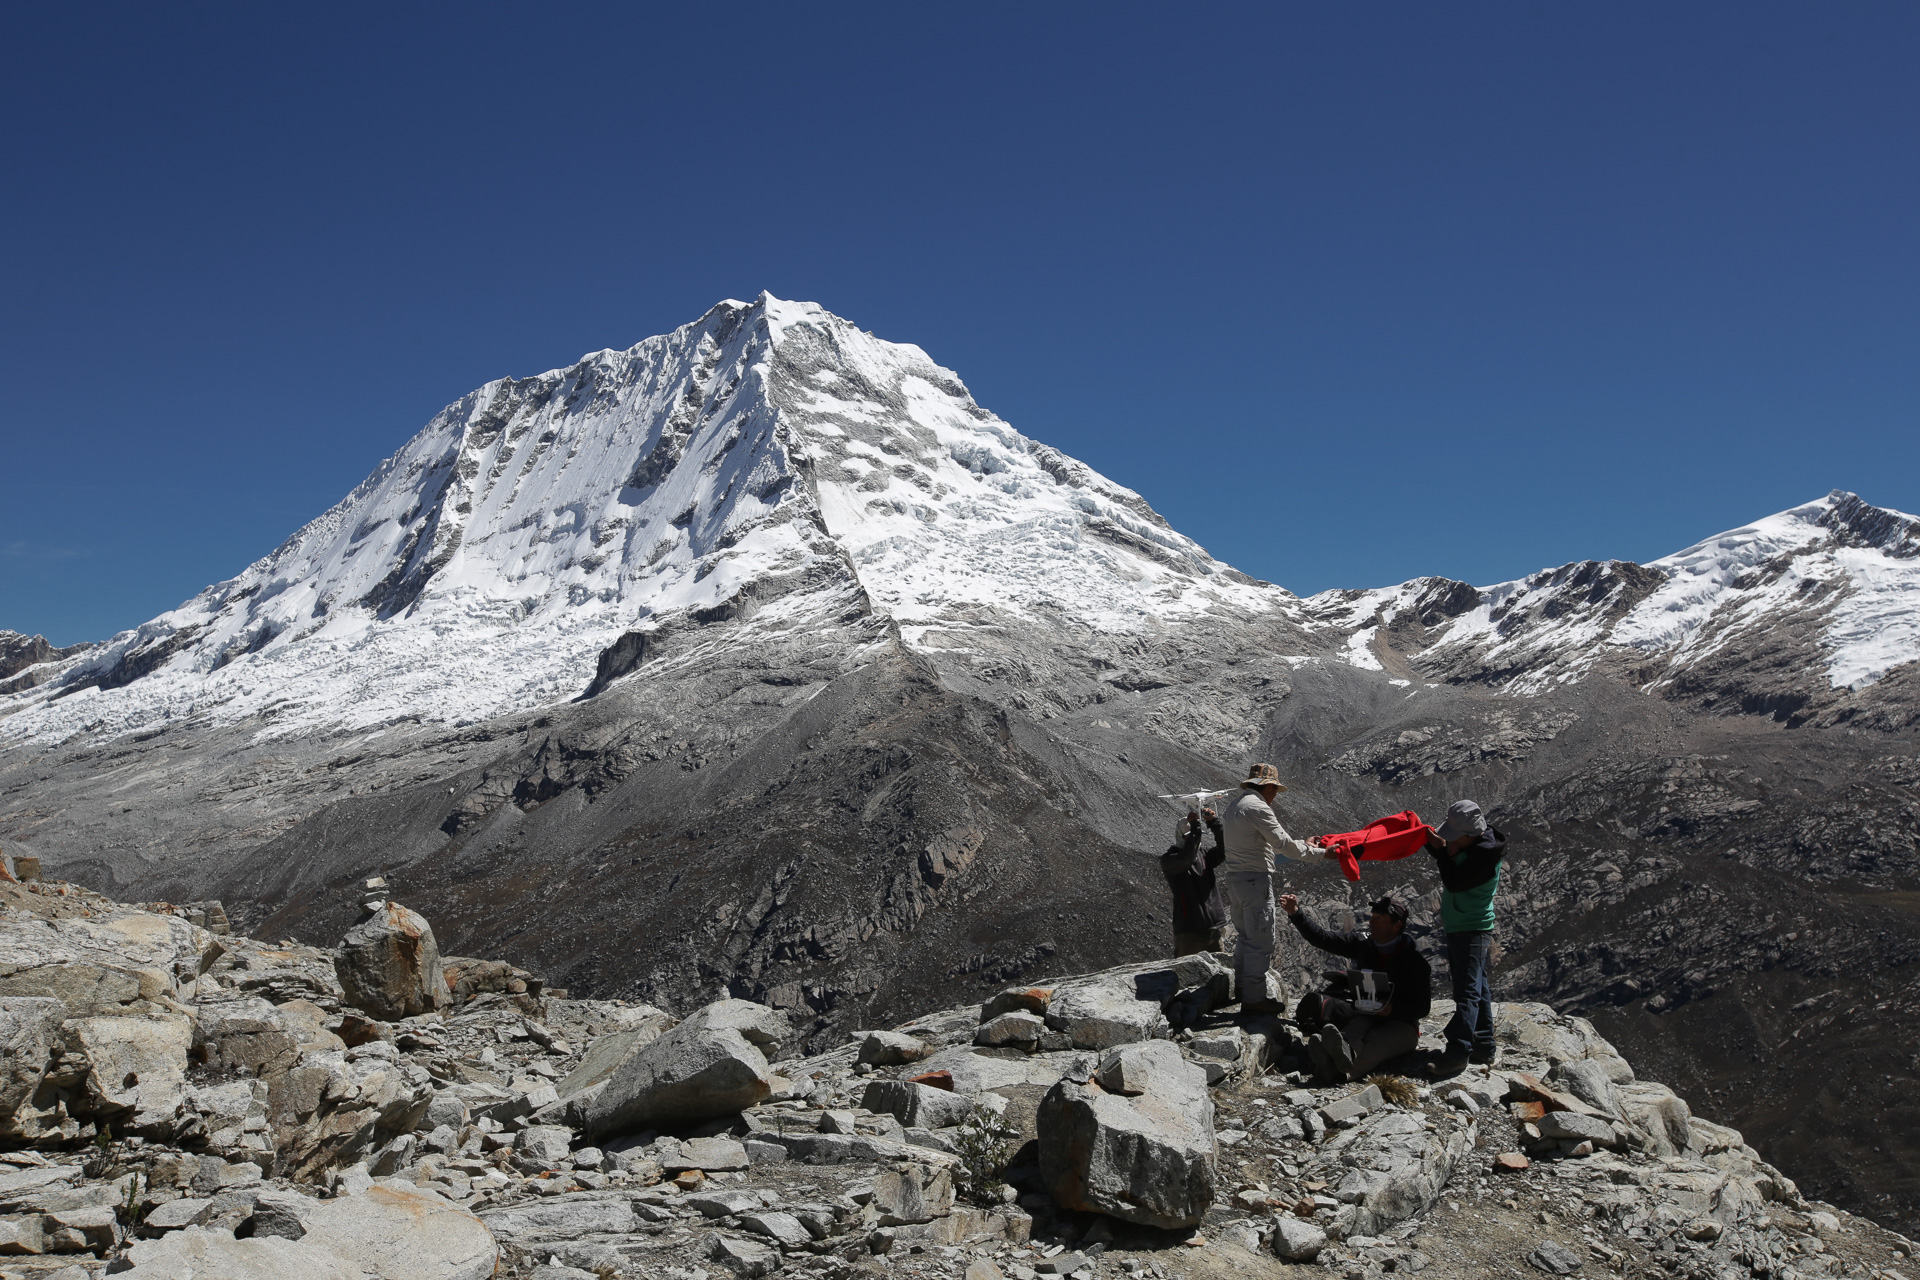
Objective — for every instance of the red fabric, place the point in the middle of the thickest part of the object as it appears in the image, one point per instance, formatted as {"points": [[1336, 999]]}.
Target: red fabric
{"points": [[1383, 840]]}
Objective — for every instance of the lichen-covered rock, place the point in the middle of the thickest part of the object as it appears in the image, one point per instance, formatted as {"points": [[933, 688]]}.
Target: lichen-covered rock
{"points": [[389, 965]]}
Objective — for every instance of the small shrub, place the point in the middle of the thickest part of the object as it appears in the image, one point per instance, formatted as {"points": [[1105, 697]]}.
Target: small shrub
{"points": [[131, 1212], [1398, 1090], [984, 1143]]}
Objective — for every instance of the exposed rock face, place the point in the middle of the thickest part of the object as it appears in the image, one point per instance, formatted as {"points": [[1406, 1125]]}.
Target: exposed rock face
{"points": [[433, 1170], [1146, 1157], [389, 965]]}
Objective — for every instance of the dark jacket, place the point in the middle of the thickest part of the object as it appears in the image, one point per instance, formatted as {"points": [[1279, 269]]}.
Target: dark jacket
{"points": [[1404, 966], [1197, 905], [1468, 881]]}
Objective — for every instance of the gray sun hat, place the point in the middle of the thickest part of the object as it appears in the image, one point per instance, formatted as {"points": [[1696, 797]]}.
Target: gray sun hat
{"points": [[1463, 819]]}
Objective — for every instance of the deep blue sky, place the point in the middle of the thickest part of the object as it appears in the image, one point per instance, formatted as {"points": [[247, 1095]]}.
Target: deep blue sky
{"points": [[1351, 293]]}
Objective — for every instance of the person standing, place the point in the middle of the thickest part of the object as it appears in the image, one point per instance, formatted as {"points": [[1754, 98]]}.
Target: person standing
{"points": [[1469, 852], [1252, 836], [1199, 913]]}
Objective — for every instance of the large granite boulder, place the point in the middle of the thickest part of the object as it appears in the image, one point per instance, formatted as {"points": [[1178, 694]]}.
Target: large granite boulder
{"points": [[607, 1054], [198, 1253], [707, 1066], [393, 1231], [1145, 1157], [389, 965], [136, 1075]]}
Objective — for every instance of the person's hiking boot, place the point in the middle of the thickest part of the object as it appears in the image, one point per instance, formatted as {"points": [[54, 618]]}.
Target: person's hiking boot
{"points": [[1484, 1057], [1317, 1061], [1447, 1065], [1337, 1054]]}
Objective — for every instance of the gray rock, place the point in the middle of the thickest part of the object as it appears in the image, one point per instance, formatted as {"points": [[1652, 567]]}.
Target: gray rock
{"points": [[27, 1233], [389, 965], [1015, 1028], [1297, 1241], [1132, 1074], [710, 1155], [742, 1257], [609, 1053], [187, 1211], [1555, 1258], [447, 1108], [396, 1232], [694, 1072], [280, 1213], [544, 1146], [1587, 1080], [916, 1106], [901, 1197], [783, 1229], [1352, 1106], [137, 1069], [1099, 1015], [548, 1271], [564, 1218], [199, 1254], [1146, 1159], [1062, 1264], [1657, 1112], [719, 1204], [891, 1049], [762, 1026], [1227, 1044], [1016, 1000], [1396, 1167], [29, 1033], [1572, 1127], [763, 1152]]}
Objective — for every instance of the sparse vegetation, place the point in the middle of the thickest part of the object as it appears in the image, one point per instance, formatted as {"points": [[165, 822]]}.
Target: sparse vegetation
{"points": [[984, 1144], [1398, 1090]]}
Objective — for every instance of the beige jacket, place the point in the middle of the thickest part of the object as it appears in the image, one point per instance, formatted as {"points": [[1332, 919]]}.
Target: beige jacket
{"points": [[1253, 835]]}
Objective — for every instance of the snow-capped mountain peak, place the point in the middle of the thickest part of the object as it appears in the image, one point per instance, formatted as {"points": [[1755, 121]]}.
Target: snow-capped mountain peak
{"points": [[1837, 578], [770, 458]]}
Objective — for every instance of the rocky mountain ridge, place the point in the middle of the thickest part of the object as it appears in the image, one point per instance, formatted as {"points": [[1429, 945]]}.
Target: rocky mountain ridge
{"points": [[181, 1101]]}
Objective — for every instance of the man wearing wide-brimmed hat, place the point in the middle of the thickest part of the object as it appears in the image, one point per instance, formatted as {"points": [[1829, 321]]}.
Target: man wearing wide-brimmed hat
{"points": [[1252, 834]]}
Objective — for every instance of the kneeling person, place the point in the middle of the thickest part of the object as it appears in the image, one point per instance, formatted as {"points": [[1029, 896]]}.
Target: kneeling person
{"points": [[1369, 1039]]}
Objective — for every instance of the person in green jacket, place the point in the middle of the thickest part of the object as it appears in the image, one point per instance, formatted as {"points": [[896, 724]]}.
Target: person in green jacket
{"points": [[1469, 852]]}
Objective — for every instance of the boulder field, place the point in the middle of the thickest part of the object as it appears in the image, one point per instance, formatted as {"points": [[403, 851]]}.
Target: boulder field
{"points": [[178, 1102]]}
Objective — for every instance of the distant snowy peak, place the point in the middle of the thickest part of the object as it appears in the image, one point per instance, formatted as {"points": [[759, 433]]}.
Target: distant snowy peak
{"points": [[768, 459], [1839, 578]]}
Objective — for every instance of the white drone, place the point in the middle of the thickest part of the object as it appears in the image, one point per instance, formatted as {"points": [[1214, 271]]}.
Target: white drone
{"points": [[1195, 799]]}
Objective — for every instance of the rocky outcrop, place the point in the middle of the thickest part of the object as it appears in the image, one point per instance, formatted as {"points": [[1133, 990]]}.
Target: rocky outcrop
{"points": [[389, 965], [315, 1142], [1135, 1141]]}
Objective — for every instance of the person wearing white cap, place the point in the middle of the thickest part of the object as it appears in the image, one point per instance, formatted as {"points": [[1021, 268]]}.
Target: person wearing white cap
{"points": [[1252, 835]]}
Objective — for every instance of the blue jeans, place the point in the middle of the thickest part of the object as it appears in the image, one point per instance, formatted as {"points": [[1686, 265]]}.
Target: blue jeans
{"points": [[1471, 1027]]}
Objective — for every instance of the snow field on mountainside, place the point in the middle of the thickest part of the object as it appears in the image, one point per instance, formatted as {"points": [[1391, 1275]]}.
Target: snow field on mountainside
{"points": [[484, 567]]}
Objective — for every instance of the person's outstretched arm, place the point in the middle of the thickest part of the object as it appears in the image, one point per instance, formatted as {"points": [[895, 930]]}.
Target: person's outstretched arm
{"points": [[1305, 925]]}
